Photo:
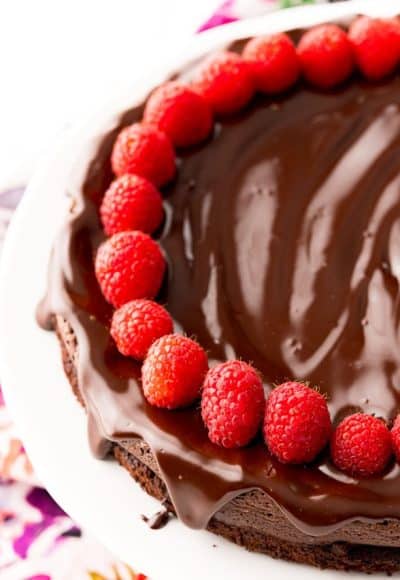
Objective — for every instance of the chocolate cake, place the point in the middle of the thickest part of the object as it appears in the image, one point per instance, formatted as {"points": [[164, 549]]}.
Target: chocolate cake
{"points": [[282, 237]]}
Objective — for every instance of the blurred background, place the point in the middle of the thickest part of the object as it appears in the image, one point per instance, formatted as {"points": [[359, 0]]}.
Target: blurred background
{"points": [[61, 60]]}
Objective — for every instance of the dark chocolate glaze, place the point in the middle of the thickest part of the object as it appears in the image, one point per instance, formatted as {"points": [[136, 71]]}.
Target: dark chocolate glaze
{"points": [[282, 235], [159, 519]]}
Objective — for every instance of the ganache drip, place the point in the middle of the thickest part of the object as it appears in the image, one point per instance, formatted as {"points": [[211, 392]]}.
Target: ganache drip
{"points": [[282, 238]]}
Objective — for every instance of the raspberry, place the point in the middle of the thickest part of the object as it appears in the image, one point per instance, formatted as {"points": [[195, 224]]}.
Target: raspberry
{"points": [[297, 425], [146, 151], [376, 45], [180, 112], [131, 203], [173, 372], [326, 55], [361, 445], [137, 324], [225, 81], [395, 433], [129, 265], [274, 61], [232, 404]]}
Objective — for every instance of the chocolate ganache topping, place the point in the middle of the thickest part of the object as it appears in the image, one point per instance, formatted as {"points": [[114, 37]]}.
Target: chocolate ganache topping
{"points": [[282, 236]]}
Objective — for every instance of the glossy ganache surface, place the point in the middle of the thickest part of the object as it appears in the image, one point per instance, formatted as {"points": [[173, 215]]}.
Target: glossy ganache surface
{"points": [[282, 236]]}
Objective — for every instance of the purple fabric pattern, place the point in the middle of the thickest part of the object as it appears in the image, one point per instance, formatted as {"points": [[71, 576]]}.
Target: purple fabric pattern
{"points": [[41, 500], [223, 15]]}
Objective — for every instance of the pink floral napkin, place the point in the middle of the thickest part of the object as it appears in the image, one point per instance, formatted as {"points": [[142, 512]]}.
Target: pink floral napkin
{"points": [[38, 541]]}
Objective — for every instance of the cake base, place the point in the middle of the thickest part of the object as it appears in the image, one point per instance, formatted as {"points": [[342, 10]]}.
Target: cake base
{"points": [[252, 520], [338, 555]]}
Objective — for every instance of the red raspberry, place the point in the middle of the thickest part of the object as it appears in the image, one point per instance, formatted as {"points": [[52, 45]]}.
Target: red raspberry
{"points": [[129, 265], [274, 61], [297, 424], [395, 433], [146, 151], [173, 372], [131, 203], [137, 324], [232, 404], [180, 112], [376, 45], [326, 55], [225, 81], [361, 445]]}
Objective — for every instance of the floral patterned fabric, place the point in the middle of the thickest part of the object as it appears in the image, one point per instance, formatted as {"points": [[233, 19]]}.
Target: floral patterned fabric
{"points": [[38, 541], [232, 10]]}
